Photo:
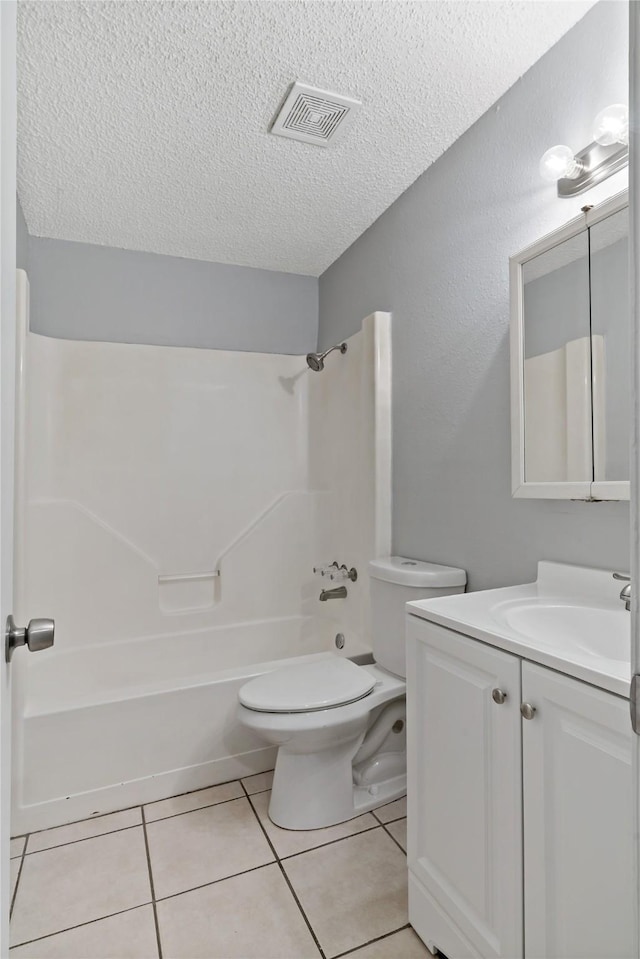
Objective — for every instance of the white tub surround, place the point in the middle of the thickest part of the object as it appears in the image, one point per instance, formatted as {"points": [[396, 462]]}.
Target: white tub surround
{"points": [[172, 504]]}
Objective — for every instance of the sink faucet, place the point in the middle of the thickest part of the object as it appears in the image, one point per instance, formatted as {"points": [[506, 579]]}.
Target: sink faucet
{"points": [[625, 592]]}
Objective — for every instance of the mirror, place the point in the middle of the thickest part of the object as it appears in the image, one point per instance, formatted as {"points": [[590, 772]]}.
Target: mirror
{"points": [[557, 367], [570, 362], [611, 336]]}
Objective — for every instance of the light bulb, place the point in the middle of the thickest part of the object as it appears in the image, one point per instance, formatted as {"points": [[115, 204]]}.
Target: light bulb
{"points": [[559, 163], [612, 125]]}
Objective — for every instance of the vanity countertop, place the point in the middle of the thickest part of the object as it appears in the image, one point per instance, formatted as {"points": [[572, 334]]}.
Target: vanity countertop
{"points": [[571, 619]]}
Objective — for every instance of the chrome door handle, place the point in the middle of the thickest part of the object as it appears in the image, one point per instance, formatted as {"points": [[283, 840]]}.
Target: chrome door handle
{"points": [[528, 711], [498, 696], [37, 635]]}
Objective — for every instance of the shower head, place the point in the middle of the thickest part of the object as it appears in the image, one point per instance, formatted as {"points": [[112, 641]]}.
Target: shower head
{"points": [[315, 361]]}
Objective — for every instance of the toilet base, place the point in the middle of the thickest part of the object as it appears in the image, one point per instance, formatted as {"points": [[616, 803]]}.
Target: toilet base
{"points": [[313, 792], [338, 763]]}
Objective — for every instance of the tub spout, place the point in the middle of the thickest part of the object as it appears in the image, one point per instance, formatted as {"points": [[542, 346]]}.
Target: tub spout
{"points": [[340, 592]]}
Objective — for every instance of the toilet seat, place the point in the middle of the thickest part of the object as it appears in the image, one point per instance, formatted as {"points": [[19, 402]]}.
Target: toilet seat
{"points": [[308, 687]]}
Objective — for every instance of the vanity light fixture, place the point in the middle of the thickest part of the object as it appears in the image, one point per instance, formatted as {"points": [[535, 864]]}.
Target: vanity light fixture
{"points": [[609, 152], [612, 126], [560, 163]]}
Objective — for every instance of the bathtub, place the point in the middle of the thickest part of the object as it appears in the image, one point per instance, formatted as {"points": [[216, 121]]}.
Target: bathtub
{"points": [[107, 726]]}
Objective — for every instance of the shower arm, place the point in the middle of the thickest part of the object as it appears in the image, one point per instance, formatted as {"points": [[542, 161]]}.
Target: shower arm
{"points": [[339, 346]]}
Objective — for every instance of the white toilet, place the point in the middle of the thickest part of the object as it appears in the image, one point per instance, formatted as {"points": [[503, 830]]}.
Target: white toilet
{"points": [[340, 728]]}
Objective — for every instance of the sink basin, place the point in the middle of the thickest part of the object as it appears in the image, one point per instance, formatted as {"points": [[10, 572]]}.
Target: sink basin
{"points": [[592, 630], [571, 620]]}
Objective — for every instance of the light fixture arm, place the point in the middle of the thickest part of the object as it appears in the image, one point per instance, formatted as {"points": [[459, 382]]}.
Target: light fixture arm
{"points": [[598, 163], [609, 153]]}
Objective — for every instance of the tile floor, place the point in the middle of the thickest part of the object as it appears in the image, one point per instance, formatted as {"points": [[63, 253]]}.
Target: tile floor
{"points": [[207, 875]]}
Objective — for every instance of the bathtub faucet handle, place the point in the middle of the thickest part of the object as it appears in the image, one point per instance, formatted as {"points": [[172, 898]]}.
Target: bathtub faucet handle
{"points": [[329, 570], [39, 634]]}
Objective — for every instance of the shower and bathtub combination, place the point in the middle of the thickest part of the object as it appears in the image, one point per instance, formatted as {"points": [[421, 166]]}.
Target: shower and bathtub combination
{"points": [[172, 504]]}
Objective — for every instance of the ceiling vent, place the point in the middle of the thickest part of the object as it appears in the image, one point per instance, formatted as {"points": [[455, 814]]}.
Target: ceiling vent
{"points": [[314, 116]]}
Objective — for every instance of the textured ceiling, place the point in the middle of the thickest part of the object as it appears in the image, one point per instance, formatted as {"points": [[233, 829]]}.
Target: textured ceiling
{"points": [[143, 125]]}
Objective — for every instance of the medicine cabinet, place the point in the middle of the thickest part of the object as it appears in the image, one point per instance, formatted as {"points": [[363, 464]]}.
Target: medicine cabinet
{"points": [[570, 359]]}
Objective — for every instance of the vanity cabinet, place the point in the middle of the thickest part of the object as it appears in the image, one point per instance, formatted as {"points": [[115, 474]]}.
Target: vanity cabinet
{"points": [[465, 794], [519, 842], [578, 849]]}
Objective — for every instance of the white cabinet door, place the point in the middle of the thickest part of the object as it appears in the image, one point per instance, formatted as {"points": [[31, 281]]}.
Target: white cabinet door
{"points": [[464, 794], [578, 837]]}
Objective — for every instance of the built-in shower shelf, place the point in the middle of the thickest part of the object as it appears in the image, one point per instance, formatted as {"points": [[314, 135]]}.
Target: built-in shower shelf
{"points": [[188, 592]]}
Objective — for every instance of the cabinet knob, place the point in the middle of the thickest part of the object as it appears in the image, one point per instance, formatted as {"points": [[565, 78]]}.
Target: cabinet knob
{"points": [[528, 711], [498, 696]]}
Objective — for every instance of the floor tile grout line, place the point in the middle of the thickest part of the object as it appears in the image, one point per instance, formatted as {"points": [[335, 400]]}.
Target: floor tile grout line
{"points": [[24, 836], [153, 901], [153, 892], [388, 822], [114, 812], [332, 842], [182, 892], [378, 809], [190, 889], [79, 925], [173, 815], [286, 879], [276, 860], [391, 836], [214, 882], [370, 942], [20, 867], [73, 842], [76, 822]]}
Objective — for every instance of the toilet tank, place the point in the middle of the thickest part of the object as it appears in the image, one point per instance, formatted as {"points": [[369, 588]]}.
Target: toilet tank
{"points": [[394, 581]]}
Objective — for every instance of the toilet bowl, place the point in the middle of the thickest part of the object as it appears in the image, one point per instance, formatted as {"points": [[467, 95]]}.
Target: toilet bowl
{"points": [[339, 727], [313, 782]]}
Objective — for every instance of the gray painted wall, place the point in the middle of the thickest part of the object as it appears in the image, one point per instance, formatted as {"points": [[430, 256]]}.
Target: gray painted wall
{"points": [[438, 259], [85, 292]]}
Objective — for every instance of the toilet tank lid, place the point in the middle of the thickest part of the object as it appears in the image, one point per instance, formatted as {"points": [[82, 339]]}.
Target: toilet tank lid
{"points": [[415, 572]]}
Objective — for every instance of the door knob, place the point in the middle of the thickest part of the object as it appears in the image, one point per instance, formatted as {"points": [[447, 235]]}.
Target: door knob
{"points": [[498, 696], [37, 635], [528, 711]]}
